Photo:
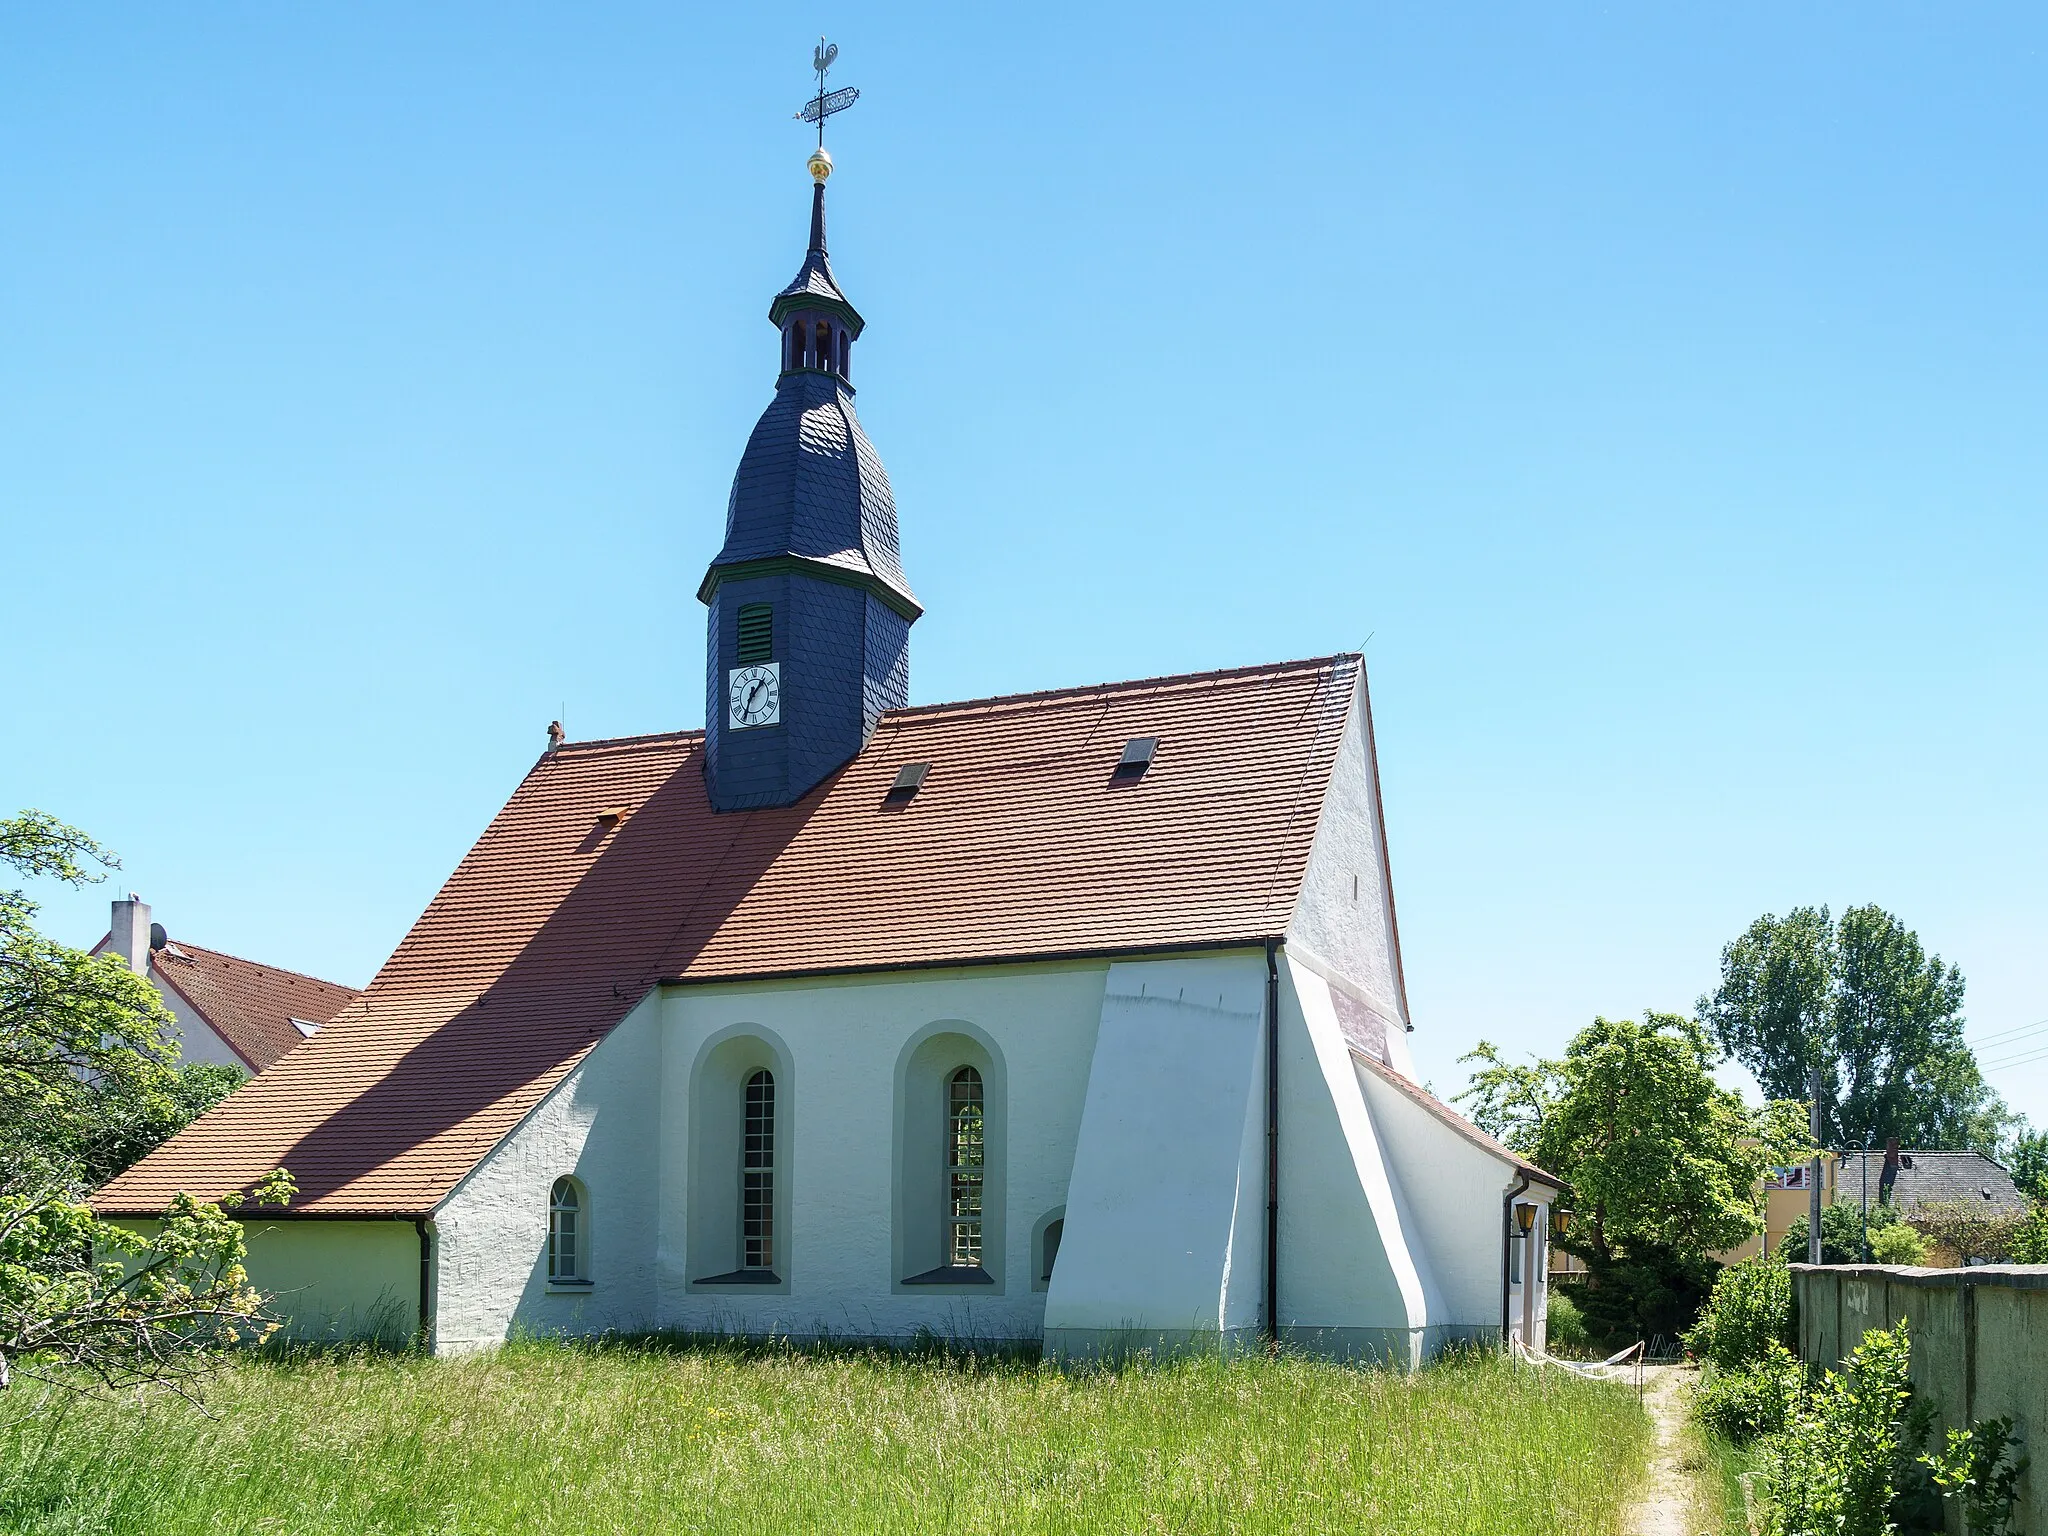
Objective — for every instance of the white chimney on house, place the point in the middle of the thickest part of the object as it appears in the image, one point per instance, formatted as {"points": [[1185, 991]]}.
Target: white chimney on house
{"points": [[130, 936]]}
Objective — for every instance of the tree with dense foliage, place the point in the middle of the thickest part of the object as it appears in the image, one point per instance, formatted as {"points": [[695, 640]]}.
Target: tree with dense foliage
{"points": [[89, 1079], [88, 1083], [1845, 1227], [1861, 1000], [1663, 1163], [1971, 1231], [2028, 1159]]}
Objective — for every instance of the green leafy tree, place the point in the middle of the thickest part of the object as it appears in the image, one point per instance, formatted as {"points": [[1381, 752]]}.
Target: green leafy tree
{"points": [[1973, 1232], [88, 1076], [2029, 1243], [91, 1306], [1860, 999], [1662, 1161], [2028, 1159], [87, 1084], [1842, 1229]]}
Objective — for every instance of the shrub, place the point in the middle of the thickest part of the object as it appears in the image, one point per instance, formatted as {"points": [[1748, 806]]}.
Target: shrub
{"points": [[1749, 1312], [1744, 1405], [2030, 1237], [1973, 1233], [1651, 1293], [1898, 1244], [1846, 1460], [1566, 1330], [1841, 1232], [1978, 1468]]}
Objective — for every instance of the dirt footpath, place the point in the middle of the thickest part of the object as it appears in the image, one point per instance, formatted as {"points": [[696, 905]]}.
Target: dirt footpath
{"points": [[1666, 1506]]}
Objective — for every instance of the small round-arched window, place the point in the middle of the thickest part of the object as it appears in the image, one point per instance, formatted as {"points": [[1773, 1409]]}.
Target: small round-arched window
{"points": [[568, 1235]]}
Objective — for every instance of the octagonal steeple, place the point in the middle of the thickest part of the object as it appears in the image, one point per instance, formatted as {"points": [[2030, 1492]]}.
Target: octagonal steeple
{"points": [[810, 612]]}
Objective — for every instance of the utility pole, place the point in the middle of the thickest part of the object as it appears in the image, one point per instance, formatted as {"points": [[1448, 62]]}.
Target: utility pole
{"points": [[1813, 1174], [1869, 1141]]}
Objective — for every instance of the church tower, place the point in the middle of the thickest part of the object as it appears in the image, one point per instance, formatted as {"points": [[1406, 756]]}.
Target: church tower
{"points": [[809, 634]]}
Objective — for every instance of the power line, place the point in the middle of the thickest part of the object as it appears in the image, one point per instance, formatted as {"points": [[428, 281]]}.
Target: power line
{"points": [[2031, 1054], [2009, 1034]]}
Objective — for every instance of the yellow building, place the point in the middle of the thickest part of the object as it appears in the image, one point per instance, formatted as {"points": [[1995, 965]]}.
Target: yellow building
{"points": [[1786, 1196]]}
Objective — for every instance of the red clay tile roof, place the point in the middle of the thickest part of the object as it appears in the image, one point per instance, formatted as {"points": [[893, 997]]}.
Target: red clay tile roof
{"points": [[1019, 845], [250, 1006]]}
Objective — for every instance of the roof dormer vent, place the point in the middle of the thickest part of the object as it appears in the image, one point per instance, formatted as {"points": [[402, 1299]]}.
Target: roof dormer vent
{"points": [[909, 780], [1137, 757]]}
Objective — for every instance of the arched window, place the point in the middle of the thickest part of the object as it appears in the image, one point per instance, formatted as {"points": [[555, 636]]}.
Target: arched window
{"points": [[824, 345], [757, 1174], [1050, 1248], [568, 1242], [965, 1145]]}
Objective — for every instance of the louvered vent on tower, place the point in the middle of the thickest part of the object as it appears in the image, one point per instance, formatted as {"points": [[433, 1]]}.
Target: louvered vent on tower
{"points": [[757, 633]]}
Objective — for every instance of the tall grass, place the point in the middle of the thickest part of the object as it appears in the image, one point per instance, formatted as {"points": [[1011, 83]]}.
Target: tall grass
{"points": [[631, 1438]]}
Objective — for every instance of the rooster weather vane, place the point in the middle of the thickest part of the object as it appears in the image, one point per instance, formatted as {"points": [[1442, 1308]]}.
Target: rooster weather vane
{"points": [[825, 104]]}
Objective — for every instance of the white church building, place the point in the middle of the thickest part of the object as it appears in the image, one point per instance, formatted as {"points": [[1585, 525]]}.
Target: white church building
{"points": [[1074, 1017]]}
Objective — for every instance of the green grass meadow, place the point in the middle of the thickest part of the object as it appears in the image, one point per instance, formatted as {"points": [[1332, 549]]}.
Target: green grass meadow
{"points": [[548, 1437]]}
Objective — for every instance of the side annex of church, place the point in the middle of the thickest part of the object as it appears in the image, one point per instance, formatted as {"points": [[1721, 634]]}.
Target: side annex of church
{"points": [[1074, 1017]]}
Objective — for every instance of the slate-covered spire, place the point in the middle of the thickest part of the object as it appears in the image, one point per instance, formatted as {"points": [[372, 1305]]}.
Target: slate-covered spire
{"points": [[810, 611]]}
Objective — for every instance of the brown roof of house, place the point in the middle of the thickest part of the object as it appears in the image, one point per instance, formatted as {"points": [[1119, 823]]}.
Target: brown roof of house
{"points": [[1019, 845], [250, 1006]]}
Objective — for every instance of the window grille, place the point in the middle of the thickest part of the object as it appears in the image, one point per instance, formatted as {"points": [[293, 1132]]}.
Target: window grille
{"points": [[757, 1175], [964, 1149], [757, 632], [565, 1233]]}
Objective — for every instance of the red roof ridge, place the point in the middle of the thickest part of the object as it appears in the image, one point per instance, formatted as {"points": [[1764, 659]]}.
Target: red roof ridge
{"points": [[601, 743], [1129, 685], [1034, 696], [261, 965]]}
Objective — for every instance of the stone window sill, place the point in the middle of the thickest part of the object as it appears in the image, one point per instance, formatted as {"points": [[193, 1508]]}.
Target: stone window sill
{"points": [[570, 1287], [971, 1274], [742, 1277]]}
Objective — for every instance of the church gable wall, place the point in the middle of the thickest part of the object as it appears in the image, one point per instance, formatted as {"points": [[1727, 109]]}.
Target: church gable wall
{"points": [[1343, 924], [867, 1056], [490, 1234]]}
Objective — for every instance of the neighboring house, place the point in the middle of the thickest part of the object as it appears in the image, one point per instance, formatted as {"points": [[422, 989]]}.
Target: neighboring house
{"points": [[229, 1010], [1786, 1194], [1928, 1178], [1074, 1016]]}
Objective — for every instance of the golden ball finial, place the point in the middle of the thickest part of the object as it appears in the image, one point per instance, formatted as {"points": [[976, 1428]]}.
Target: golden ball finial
{"points": [[820, 163]]}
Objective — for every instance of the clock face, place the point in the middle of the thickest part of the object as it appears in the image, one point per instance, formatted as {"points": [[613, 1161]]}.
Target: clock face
{"points": [[753, 695]]}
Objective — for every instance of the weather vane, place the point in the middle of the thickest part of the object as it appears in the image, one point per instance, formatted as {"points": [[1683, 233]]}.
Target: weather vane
{"points": [[824, 104]]}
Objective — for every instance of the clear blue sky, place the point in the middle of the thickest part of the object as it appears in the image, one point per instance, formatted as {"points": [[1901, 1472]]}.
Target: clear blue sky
{"points": [[1662, 393]]}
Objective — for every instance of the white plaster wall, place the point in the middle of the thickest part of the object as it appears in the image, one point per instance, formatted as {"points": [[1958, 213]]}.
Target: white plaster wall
{"points": [[196, 1038], [1165, 1222], [1343, 924], [845, 1036], [1454, 1188], [600, 1125], [1355, 1275], [333, 1280]]}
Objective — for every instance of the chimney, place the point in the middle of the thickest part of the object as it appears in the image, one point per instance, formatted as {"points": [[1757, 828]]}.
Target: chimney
{"points": [[130, 936], [1890, 1176]]}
